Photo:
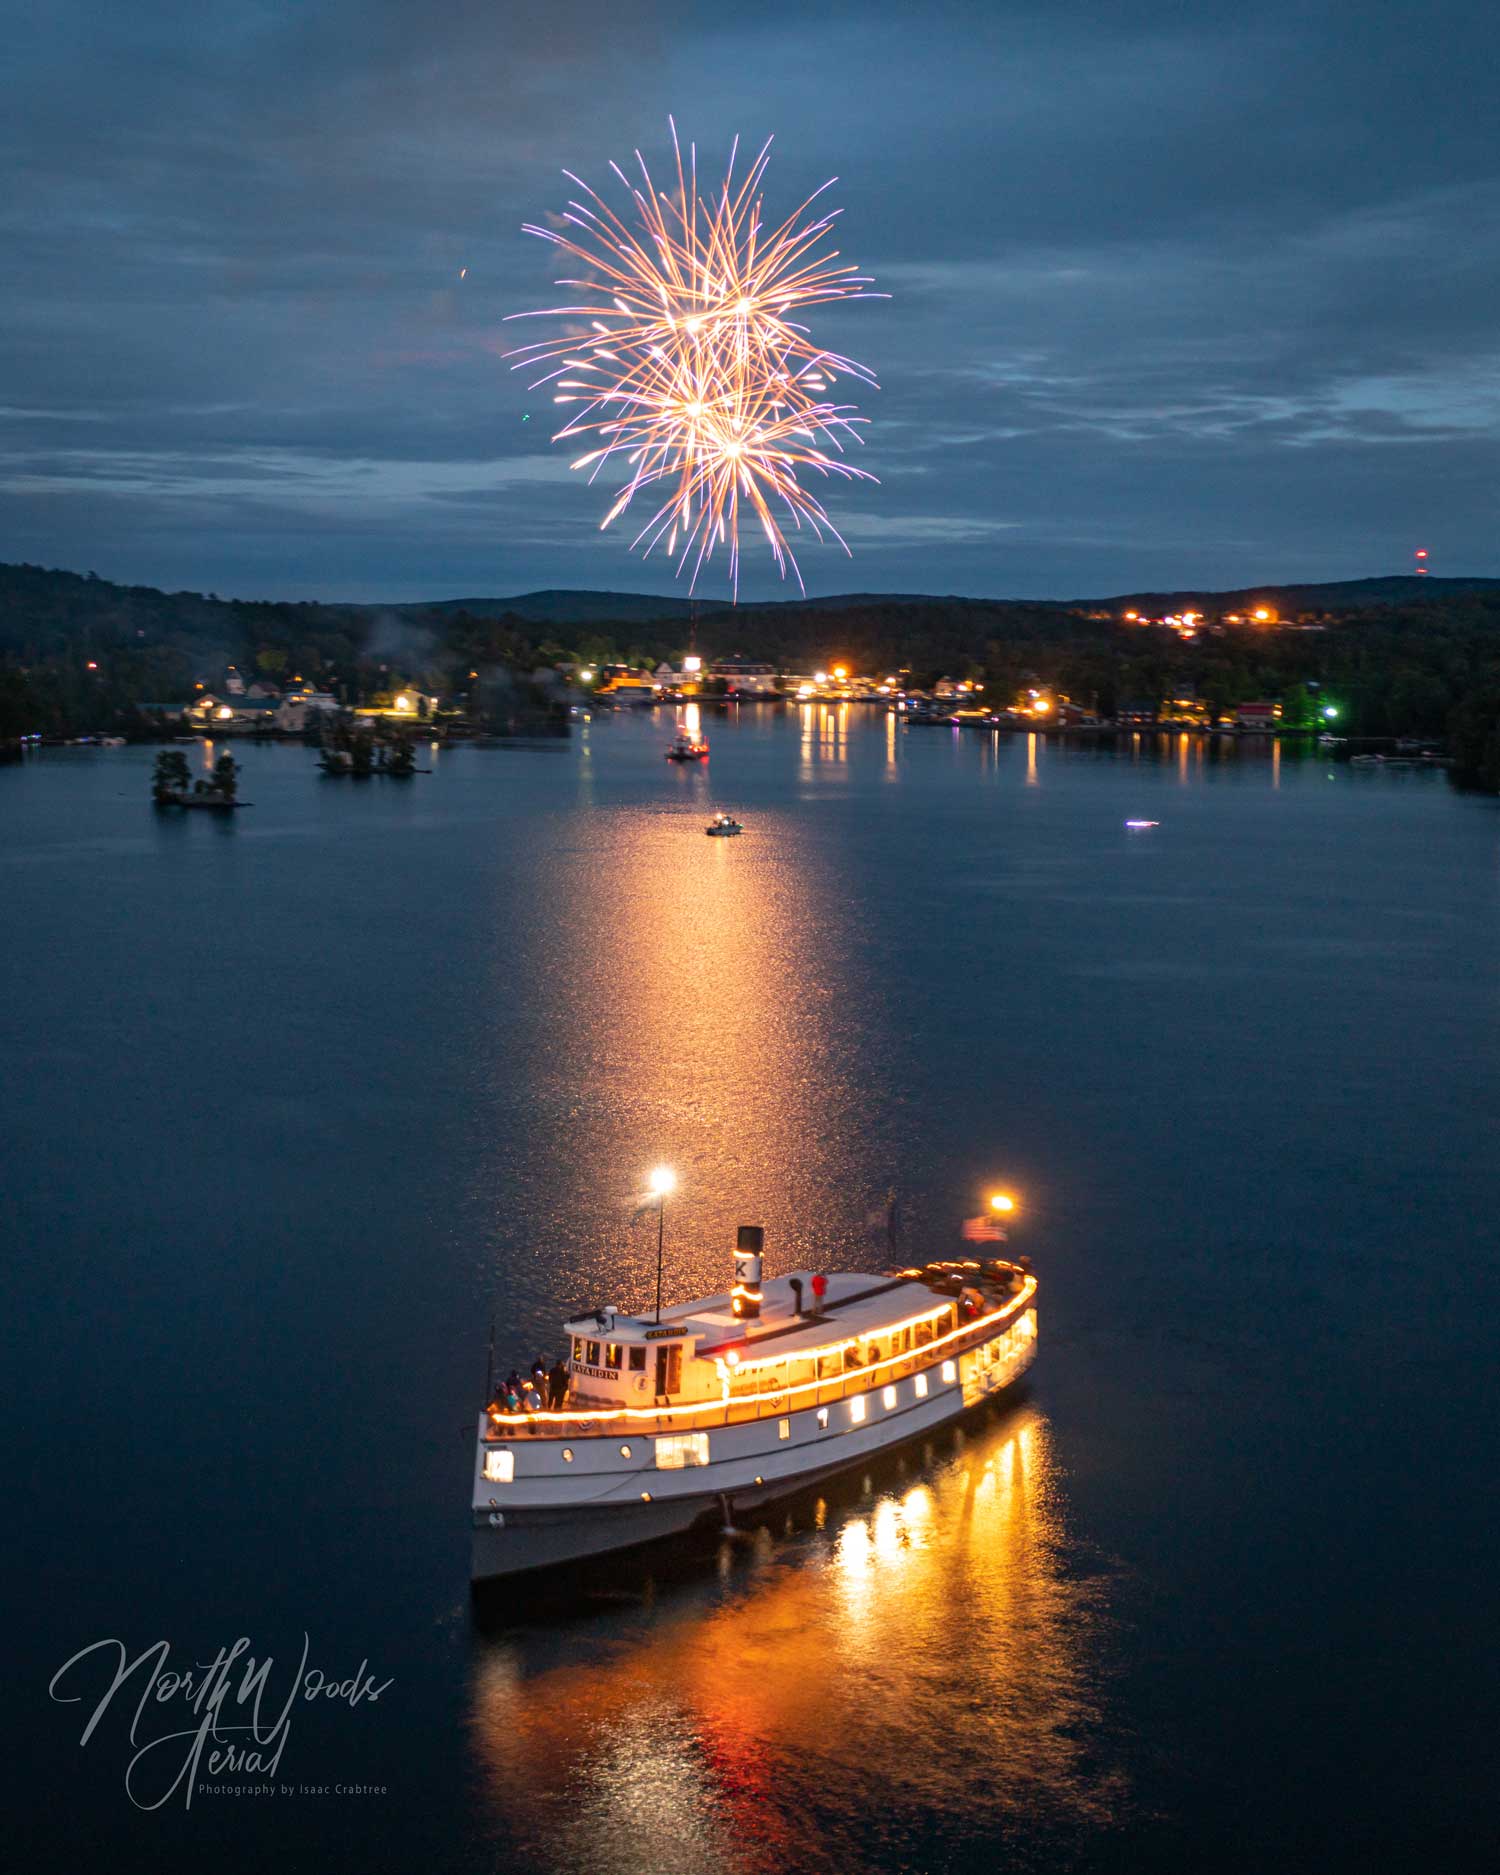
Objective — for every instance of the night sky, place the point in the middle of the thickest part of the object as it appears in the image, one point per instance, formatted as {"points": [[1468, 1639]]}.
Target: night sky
{"points": [[1182, 294]]}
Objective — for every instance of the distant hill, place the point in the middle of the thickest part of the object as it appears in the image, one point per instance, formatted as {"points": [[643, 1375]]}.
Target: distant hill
{"points": [[565, 606], [570, 606], [577, 606], [1331, 596]]}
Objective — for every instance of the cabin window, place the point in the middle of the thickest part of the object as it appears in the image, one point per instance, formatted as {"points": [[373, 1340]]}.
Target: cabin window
{"points": [[822, 1419], [783, 1429], [889, 1397], [901, 1342], [567, 1454], [638, 1360], [923, 1334], [680, 1449], [612, 1355], [920, 1383], [950, 1371], [828, 1366], [857, 1410], [499, 1467], [578, 1346], [872, 1353], [593, 1354]]}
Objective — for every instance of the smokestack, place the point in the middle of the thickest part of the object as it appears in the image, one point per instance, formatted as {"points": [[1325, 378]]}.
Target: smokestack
{"points": [[746, 1297]]}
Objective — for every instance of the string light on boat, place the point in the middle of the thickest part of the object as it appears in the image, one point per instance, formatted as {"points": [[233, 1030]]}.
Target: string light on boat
{"points": [[1016, 1305]]}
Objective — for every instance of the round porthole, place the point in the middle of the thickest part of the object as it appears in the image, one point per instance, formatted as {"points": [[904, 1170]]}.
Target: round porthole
{"points": [[624, 1451], [567, 1454], [645, 1497]]}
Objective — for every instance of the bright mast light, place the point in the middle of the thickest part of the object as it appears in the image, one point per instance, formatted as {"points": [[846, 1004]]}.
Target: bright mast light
{"points": [[1002, 1201], [663, 1180]]}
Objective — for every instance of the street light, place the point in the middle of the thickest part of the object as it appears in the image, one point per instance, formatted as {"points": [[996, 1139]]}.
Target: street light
{"points": [[1330, 711], [663, 1180]]}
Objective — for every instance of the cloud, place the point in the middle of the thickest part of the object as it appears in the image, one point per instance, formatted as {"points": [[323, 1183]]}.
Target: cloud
{"points": [[1198, 295]]}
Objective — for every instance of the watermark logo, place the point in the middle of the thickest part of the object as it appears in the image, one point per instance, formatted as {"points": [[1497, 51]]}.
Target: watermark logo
{"points": [[238, 1712]]}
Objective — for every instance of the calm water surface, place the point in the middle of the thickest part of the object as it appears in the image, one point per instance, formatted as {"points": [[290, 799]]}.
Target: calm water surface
{"points": [[293, 1104]]}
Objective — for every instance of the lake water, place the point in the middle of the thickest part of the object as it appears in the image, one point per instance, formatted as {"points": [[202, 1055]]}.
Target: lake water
{"points": [[294, 1104]]}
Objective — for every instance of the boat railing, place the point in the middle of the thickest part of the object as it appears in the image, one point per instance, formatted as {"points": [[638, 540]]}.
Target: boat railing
{"points": [[698, 1416]]}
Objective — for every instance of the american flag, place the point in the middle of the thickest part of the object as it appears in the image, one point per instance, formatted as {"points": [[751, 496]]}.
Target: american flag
{"points": [[982, 1229]]}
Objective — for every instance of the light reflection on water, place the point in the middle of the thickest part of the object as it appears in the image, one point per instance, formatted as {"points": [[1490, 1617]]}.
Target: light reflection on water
{"points": [[916, 1662], [697, 1012]]}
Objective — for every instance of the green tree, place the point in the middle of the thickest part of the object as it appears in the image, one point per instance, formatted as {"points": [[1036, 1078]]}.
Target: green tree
{"points": [[226, 778], [1474, 736], [170, 776]]}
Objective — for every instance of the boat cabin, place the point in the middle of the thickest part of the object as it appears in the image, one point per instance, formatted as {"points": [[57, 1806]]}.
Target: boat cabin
{"points": [[756, 1341]]}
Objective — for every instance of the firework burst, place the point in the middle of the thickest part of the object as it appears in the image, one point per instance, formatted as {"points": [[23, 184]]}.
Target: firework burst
{"points": [[688, 366]]}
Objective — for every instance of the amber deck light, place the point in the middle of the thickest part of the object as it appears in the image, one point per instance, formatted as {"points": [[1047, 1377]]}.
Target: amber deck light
{"points": [[1002, 1202]]}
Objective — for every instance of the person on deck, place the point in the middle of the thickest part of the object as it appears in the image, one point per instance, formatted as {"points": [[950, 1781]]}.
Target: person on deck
{"points": [[557, 1386]]}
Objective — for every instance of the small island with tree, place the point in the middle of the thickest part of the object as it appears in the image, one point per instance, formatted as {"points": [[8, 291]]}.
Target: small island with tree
{"points": [[358, 750], [172, 784]]}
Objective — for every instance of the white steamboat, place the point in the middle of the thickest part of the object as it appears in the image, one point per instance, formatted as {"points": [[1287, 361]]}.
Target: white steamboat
{"points": [[729, 1403]]}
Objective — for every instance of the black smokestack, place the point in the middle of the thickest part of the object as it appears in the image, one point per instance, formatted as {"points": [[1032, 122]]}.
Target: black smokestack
{"points": [[749, 1246]]}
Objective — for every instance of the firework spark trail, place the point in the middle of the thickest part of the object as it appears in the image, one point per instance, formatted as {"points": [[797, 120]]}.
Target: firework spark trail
{"points": [[693, 375]]}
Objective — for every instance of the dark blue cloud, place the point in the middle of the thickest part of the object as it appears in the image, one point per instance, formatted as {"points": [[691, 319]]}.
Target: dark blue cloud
{"points": [[1181, 294]]}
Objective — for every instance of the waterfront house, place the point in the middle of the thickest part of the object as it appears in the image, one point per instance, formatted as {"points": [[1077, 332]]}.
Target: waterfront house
{"points": [[407, 705], [227, 713], [1185, 711], [744, 678], [1260, 718], [295, 714], [634, 687]]}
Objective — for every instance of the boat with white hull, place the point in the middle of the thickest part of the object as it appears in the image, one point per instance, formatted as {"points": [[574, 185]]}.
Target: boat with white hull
{"points": [[733, 1401]]}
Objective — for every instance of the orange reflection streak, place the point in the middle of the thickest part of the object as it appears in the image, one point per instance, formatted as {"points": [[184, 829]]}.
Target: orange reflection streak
{"points": [[701, 1019], [927, 1656]]}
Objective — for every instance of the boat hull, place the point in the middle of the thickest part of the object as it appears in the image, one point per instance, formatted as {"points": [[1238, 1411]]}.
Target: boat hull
{"points": [[523, 1541]]}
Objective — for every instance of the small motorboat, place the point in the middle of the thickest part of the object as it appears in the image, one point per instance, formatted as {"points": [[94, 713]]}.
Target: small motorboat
{"points": [[685, 749], [1139, 826], [721, 826]]}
